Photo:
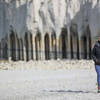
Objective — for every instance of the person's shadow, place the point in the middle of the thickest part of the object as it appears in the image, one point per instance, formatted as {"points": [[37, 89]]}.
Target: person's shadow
{"points": [[67, 91]]}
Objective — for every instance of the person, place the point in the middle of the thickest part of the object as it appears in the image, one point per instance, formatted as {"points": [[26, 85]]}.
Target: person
{"points": [[96, 59]]}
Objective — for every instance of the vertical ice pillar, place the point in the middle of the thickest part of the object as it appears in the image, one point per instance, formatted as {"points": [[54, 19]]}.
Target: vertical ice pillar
{"points": [[0, 50], [69, 44], [89, 41], [9, 48], [29, 47], [50, 43], [81, 46], [24, 49], [43, 47], [54, 46], [60, 46], [51, 47], [31, 41], [34, 49], [57, 46], [8, 51], [16, 49]]}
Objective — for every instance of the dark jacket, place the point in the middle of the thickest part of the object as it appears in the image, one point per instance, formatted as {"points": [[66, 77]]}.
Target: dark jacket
{"points": [[96, 53]]}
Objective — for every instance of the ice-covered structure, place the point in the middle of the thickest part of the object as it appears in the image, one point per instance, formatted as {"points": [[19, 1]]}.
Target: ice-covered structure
{"points": [[48, 29]]}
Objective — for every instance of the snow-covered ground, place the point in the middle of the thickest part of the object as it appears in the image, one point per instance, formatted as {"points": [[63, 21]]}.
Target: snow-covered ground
{"points": [[48, 65], [48, 84]]}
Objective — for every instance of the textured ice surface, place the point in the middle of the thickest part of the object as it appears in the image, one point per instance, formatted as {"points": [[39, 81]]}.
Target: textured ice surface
{"points": [[49, 15]]}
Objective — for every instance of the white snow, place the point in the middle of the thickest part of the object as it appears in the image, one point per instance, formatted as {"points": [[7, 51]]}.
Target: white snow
{"points": [[48, 65], [60, 83]]}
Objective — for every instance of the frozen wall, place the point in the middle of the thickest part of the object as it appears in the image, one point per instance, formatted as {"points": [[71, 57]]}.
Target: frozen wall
{"points": [[48, 16]]}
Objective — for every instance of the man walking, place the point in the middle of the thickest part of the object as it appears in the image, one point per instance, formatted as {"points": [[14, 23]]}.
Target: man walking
{"points": [[96, 59]]}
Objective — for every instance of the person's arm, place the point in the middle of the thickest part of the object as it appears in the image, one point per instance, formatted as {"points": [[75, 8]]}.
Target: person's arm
{"points": [[94, 54]]}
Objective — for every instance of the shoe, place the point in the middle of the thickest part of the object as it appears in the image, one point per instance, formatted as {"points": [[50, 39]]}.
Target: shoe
{"points": [[98, 91]]}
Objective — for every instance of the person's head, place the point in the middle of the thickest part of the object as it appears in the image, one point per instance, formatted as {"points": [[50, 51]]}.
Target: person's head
{"points": [[98, 38]]}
